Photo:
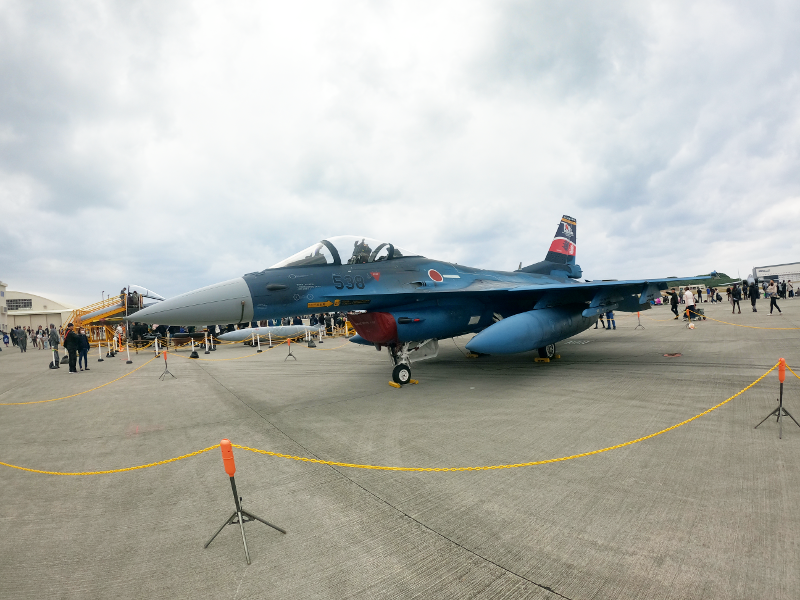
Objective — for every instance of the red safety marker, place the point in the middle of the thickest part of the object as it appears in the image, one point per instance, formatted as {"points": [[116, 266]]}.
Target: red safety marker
{"points": [[227, 457], [782, 370]]}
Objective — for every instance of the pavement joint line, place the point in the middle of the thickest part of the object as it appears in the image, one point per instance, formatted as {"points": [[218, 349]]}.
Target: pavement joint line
{"points": [[80, 393], [406, 469]]}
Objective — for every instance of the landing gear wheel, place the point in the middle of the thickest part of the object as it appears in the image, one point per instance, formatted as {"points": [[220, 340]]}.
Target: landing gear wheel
{"points": [[401, 374], [548, 351]]}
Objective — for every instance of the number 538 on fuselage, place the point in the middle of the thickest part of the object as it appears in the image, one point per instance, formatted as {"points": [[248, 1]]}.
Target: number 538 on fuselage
{"points": [[406, 302]]}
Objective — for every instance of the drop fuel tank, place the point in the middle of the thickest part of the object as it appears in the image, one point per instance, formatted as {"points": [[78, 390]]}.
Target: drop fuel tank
{"points": [[530, 330]]}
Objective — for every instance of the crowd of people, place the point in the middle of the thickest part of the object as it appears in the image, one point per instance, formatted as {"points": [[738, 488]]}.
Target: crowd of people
{"points": [[748, 290]]}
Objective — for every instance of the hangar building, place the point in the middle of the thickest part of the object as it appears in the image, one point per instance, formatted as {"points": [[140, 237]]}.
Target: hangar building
{"points": [[785, 272]]}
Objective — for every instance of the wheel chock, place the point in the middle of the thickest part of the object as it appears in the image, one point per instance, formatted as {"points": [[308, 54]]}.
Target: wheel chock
{"points": [[414, 381], [557, 356], [395, 385], [472, 355], [541, 360]]}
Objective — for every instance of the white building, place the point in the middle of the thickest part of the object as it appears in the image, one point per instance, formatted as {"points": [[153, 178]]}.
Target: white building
{"points": [[785, 272], [3, 309], [32, 310]]}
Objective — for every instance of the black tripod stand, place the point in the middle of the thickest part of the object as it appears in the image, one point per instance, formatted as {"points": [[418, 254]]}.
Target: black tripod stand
{"points": [[166, 370], [289, 341], [639, 318], [780, 412], [241, 516]]}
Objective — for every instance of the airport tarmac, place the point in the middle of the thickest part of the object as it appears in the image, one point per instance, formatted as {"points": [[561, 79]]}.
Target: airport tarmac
{"points": [[708, 510]]}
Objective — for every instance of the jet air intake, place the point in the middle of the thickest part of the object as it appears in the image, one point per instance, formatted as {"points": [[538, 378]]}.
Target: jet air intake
{"points": [[530, 330]]}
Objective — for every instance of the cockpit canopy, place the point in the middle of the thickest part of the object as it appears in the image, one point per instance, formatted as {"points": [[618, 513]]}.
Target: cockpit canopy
{"points": [[344, 250]]}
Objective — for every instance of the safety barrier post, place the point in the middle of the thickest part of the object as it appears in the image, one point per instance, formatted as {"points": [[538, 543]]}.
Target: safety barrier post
{"points": [[205, 339], [270, 339], [289, 342], [194, 352], [639, 318], [310, 339], [320, 335], [240, 516], [99, 354], [128, 350], [166, 370], [156, 346], [780, 412], [258, 341], [54, 364]]}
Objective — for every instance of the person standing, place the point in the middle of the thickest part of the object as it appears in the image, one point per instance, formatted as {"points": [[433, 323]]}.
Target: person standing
{"points": [[700, 294], [610, 320], [791, 288], [772, 292], [753, 292], [673, 302], [71, 346], [22, 339], [736, 296], [688, 298], [5, 339], [83, 349], [601, 321], [54, 339]]}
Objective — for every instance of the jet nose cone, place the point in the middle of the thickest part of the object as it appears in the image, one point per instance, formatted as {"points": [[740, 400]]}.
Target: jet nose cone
{"points": [[226, 302]]}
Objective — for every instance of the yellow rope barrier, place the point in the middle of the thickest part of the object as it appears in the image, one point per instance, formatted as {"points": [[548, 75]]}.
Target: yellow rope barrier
{"points": [[511, 466], [417, 469], [79, 393], [155, 464]]}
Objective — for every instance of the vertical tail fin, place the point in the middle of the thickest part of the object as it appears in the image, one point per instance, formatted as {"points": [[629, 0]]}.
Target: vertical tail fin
{"points": [[563, 248], [560, 259]]}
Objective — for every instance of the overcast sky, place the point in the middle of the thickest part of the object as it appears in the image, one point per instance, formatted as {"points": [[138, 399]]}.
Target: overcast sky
{"points": [[177, 144]]}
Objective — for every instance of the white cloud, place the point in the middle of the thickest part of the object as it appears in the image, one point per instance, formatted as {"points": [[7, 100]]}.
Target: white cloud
{"points": [[174, 145]]}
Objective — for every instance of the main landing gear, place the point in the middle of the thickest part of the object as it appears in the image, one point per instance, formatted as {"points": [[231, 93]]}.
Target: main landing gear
{"points": [[402, 355], [548, 351]]}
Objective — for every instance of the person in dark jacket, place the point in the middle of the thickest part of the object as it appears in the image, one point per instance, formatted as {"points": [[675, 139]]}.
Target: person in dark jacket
{"points": [[22, 339], [673, 302], [83, 349], [754, 293], [736, 296], [54, 339], [71, 346]]}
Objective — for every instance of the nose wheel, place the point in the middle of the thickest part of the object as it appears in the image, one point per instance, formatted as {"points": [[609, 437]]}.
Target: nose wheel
{"points": [[401, 374]]}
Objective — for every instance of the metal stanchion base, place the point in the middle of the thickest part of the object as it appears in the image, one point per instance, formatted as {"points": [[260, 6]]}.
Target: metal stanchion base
{"points": [[289, 355], [779, 413], [165, 373], [240, 518], [128, 362]]}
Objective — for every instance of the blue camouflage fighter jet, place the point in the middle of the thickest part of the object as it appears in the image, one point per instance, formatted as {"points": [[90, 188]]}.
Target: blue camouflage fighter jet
{"points": [[406, 303]]}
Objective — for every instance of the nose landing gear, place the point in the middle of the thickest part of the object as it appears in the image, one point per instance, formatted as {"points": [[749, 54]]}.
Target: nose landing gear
{"points": [[402, 355], [401, 374]]}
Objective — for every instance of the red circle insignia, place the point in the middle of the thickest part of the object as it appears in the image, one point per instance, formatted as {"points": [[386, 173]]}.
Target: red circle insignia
{"points": [[435, 275]]}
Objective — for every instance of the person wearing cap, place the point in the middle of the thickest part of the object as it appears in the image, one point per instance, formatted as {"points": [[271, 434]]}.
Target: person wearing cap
{"points": [[54, 339], [71, 344]]}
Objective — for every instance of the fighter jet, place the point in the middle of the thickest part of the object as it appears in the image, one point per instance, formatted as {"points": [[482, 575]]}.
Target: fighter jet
{"points": [[406, 303]]}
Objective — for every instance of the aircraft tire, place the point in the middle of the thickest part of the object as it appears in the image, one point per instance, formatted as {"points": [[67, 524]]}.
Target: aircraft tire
{"points": [[401, 374], [548, 351]]}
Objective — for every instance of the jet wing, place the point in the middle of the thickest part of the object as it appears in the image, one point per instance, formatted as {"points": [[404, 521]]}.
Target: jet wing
{"points": [[630, 295]]}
